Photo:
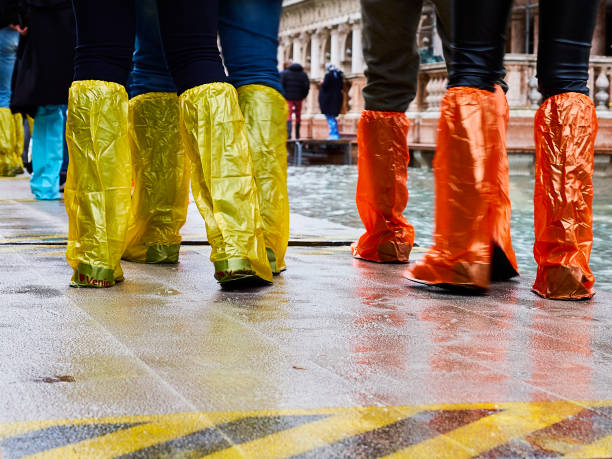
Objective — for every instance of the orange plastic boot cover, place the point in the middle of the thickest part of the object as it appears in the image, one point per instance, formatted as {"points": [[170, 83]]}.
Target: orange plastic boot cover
{"points": [[465, 166], [503, 262], [565, 130], [382, 193]]}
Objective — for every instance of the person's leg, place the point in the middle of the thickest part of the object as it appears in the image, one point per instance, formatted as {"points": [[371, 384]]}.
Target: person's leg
{"points": [[248, 30], [98, 184], [161, 169], [565, 130], [216, 139], [472, 243], [392, 68], [47, 151], [150, 72], [8, 49]]}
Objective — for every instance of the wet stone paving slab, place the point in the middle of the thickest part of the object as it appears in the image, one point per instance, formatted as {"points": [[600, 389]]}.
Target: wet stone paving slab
{"points": [[339, 358]]}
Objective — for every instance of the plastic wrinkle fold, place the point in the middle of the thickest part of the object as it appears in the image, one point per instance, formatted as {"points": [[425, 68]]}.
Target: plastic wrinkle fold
{"points": [[382, 193], [19, 141], [98, 183], [265, 111], [565, 131], [470, 185], [223, 183], [161, 172]]}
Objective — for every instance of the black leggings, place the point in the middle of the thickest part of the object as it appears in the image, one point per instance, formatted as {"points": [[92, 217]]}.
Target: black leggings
{"points": [[105, 40], [566, 31]]}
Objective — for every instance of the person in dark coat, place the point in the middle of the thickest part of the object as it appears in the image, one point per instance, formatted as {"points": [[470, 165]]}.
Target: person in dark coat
{"points": [[296, 86], [43, 74], [330, 98]]}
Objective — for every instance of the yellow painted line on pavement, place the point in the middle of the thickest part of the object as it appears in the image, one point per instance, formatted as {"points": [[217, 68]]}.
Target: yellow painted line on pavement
{"points": [[152, 433], [285, 433], [598, 449], [516, 421], [297, 440]]}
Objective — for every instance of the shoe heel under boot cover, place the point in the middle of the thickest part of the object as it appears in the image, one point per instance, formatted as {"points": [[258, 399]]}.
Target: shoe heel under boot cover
{"points": [[466, 165], [265, 111], [223, 182], [7, 143], [98, 183], [565, 130], [382, 193], [161, 179], [503, 261]]}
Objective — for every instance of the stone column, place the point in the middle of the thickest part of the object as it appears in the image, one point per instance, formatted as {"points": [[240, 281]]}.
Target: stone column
{"points": [[297, 50], [357, 51], [598, 46], [335, 47], [517, 33], [315, 55]]}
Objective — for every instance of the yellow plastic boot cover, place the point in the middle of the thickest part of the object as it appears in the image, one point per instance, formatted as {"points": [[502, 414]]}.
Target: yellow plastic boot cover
{"points": [[19, 142], [97, 191], [265, 112], [7, 143], [223, 183], [161, 179]]}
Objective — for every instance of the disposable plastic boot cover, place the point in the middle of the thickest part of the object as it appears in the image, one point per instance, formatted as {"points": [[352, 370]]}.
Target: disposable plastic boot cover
{"points": [[47, 152], [161, 179], [503, 263], [7, 141], [466, 165], [19, 141], [382, 193], [223, 184], [265, 111], [98, 183], [565, 130]]}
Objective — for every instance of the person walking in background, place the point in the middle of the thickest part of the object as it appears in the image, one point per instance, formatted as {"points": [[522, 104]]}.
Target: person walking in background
{"points": [[330, 98], [10, 153], [470, 150], [296, 87], [43, 74], [382, 193]]}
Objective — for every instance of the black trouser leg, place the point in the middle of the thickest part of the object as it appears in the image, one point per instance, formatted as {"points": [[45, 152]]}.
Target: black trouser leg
{"points": [[478, 37], [566, 32], [105, 39], [189, 33]]}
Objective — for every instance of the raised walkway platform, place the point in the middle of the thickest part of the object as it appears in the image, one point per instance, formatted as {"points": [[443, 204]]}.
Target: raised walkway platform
{"points": [[339, 358]]}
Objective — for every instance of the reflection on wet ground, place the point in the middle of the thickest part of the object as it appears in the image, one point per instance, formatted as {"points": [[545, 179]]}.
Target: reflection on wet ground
{"points": [[329, 192], [338, 358]]}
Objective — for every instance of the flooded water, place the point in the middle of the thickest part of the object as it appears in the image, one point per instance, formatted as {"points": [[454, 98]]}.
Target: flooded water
{"points": [[329, 192]]}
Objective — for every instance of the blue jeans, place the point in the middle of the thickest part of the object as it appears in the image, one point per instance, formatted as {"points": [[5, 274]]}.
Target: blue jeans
{"points": [[47, 151], [150, 72], [249, 38], [333, 127], [248, 30], [9, 39]]}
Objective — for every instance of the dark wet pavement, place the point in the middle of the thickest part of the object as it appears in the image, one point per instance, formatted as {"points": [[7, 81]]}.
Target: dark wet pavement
{"points": [[339, 358]]}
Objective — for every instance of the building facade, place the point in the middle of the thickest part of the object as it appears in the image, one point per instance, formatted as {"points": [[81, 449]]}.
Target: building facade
{"points": [[314, 32]]}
